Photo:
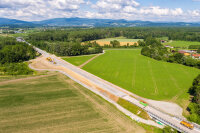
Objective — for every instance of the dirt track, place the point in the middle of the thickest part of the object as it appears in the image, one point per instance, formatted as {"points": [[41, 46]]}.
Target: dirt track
{"points": [[23, 79]]}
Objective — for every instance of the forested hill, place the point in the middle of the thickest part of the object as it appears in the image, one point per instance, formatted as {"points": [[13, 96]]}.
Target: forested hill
{"points": [[93, 23]]}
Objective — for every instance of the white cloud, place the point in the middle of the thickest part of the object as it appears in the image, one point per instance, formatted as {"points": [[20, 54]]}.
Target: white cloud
{"points": [[113, 9], [114, 5], [39, 9]]}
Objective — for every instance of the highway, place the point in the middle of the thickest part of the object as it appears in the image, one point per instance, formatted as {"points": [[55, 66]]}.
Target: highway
{"points": [[154, 113]]}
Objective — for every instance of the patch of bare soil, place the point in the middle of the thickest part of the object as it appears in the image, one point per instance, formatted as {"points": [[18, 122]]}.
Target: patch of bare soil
{"points": [[168, 107]]}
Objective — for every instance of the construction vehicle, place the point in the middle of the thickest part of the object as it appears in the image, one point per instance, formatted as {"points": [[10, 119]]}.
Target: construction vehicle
{"points": [[186, 124], [143, 103], [50, 59]]}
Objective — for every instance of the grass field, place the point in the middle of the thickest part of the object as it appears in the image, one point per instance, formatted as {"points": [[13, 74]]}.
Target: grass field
{"points": [[78, 60], [182, 44], [57, 104], [144, 76]]}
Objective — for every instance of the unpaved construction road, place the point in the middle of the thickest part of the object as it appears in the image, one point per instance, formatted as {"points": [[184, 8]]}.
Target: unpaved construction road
{"points": [[107, 91]]}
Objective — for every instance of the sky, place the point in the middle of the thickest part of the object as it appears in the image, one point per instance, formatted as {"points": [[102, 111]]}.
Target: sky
{"points": [[146, 10]]}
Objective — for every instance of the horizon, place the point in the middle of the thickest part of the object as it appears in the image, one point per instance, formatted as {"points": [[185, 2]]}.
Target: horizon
{"points": [[130, 10], [102, 19]]}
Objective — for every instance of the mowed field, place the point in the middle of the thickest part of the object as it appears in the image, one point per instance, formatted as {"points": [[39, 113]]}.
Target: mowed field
{"points": [[144, 76], [123, 41], [55, 103], [182, 44]]}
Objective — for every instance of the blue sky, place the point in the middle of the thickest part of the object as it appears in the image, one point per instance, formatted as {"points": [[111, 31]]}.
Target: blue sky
{"points": [[148, 10]]}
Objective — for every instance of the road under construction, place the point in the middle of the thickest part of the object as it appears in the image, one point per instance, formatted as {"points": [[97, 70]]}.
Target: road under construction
{"points": [[110, 93]]}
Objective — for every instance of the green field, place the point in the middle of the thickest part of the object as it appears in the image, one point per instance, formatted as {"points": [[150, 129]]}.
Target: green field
{"points": [[55, 103], [78, 60], [182, 44], [144, 76], [120, 39]]}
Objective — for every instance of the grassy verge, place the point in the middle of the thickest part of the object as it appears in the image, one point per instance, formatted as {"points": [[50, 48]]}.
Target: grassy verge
{"points": [[133, 108]]}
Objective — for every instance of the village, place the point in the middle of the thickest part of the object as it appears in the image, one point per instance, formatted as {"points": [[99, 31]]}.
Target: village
{"points": [[194, 53]]}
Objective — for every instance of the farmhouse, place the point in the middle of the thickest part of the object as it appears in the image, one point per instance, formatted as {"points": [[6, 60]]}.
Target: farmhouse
{"points": [[186, 52], [196, 56]]}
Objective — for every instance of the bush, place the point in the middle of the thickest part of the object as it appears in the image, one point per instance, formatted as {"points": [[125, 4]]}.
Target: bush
{"points": [[194, 106], [15, 69]]}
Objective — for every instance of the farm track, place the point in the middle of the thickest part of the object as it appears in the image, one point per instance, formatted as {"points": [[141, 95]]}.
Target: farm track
{"points": [[153, 78], [82, 65], [23, 79]]}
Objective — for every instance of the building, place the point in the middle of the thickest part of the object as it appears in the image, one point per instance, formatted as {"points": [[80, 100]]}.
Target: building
{"points": [[196, 56], [187, 54], [168, 46], [186, 51]]}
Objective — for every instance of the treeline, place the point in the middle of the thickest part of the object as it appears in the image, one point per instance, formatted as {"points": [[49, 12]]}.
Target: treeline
{"points": [[74, 35], [69, 48], [12, 56], [194, 106], [154, 49], [70, 42]]}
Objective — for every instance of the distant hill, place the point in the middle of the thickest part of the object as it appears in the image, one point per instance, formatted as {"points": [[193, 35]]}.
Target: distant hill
{"points": [[107, 23], [92, 23], [15, 23]]}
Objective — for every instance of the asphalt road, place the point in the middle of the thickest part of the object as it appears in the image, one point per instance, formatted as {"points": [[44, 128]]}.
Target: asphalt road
{"points": [[166, 119]]}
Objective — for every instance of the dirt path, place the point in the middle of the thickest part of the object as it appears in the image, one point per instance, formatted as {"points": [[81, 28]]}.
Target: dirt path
{"points": [[23, 79], [82, 65]]}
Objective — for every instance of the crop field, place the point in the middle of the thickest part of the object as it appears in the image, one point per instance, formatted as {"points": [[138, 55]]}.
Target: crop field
{"points": [[122, 40], [144, 76], [78, 60], [182, 44], [55, 103]]}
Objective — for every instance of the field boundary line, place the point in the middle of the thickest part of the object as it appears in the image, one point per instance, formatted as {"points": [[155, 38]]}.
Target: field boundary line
{"points": [[28, 78], [85, 63], [153, 78]]}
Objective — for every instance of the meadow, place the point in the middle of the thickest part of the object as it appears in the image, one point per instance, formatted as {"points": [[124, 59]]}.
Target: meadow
{"points": [[55, 103], [144, 76], [182, 44], [78, 60]]}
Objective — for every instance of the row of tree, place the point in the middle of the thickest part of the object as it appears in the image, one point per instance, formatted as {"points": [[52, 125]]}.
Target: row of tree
{"points": [[82, 35], [194, 106], [69, 48]]}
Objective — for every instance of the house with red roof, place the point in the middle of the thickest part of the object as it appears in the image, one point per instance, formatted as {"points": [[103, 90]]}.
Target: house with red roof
{"points": [[196, 56]]}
